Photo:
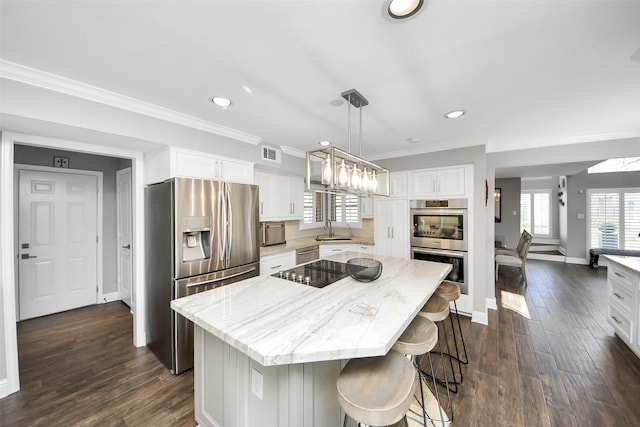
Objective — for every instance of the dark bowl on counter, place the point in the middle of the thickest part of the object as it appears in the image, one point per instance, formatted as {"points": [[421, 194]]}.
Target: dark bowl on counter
{"points": [[364, 269]]}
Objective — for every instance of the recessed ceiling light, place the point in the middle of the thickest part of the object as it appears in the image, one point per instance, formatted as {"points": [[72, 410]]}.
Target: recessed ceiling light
{"points": [[336, 102], [221, 101], [454, 114], [401, 9], [324, 143]]}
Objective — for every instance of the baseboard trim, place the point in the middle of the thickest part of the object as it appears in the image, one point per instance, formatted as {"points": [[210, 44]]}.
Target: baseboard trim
{"points": [[571, 260], [546, 257], [480, 317], [491, 303], [4, 388], [562, 250], [110, 297]]}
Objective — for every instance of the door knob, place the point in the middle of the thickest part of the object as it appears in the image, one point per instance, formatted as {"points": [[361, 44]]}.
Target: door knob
{"points": [[27, 256], [127, 247]]}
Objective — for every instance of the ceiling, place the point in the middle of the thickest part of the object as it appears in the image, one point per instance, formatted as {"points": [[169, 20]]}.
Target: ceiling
{"points": [[528, 73]]}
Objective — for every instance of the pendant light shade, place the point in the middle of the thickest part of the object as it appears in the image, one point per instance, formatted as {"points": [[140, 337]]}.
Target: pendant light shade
{"points": [[341, 172]]}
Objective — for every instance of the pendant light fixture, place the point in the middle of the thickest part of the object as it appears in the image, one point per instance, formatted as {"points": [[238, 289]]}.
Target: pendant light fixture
{"points": [[341, 172]]}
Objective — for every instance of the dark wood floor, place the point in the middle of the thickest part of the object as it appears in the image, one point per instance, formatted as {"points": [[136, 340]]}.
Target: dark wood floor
{"points": [[547, 358], [80, 368]]}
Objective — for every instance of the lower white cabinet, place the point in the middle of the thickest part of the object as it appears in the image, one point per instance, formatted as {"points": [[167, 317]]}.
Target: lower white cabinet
{"points": [[623, 311], [328, 250], [391, 228], [270, 264]]}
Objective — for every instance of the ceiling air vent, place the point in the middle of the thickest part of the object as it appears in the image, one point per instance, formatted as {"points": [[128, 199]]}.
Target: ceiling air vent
{"points": [[271, 154]]}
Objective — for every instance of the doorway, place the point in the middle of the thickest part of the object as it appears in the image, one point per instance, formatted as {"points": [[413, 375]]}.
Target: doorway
{"points": [[58, 240]]}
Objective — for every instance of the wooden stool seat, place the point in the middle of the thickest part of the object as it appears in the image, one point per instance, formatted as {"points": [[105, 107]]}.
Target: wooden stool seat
{"points": [[420, 337], [436, 309], [377, 391], [448, 290]]}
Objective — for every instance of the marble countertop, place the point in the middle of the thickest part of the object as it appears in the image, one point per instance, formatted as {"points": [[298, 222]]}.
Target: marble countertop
{"points": [[632, 263], [310, 241], [277, 322]]}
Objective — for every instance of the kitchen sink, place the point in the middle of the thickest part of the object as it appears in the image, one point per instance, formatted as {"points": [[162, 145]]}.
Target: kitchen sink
{"points": [[326, 237]]}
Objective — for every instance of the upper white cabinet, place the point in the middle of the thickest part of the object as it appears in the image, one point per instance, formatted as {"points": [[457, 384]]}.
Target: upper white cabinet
{"points": [[281, 196], [173, 162], [398, 184], [437, 183], [366, 207]]}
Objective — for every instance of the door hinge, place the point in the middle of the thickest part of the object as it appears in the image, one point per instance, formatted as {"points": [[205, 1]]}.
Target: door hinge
{"points": [[96, 239]]}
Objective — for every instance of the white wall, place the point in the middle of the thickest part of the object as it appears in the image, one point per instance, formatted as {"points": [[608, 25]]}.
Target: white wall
{"points": [[508, 230]]}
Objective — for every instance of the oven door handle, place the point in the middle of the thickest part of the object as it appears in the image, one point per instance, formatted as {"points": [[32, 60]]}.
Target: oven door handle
{"points": [[454, 254], [447, 212]]}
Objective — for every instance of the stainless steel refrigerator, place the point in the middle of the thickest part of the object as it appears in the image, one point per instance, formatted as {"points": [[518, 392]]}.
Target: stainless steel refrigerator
{"points": [[199, 235]]}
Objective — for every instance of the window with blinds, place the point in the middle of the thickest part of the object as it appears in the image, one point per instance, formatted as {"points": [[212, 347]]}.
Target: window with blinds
{"points": [[614, 218], [535, 212], [339, 209], [313, 209]]}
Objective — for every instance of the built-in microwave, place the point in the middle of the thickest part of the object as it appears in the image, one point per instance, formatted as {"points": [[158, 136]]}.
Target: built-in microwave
{"points": [[439, 224], [272, 233]]}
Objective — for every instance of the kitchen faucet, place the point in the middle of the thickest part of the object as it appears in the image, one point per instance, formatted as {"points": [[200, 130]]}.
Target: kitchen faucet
{"points": [[330, 229], [350, 231]]}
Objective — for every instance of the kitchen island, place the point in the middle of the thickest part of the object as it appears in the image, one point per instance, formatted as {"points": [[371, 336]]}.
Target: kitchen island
{"points": [[268, 351]]}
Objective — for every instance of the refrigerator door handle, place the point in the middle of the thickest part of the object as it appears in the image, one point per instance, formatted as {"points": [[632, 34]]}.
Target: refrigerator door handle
{"points": [[206, 282], [222, 230], [229, 223]]}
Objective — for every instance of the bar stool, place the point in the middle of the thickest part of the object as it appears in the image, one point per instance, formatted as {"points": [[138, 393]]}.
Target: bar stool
{"points": [[377, 391], [451, 292], [437, 310], [420, 337]]}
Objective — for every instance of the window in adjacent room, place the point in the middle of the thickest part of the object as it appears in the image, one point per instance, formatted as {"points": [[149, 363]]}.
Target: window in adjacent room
{"points": [[614, 218], [535, 212]]}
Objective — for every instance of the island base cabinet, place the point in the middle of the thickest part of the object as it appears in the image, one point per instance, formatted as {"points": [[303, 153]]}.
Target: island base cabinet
{"points": [[300, 395]]}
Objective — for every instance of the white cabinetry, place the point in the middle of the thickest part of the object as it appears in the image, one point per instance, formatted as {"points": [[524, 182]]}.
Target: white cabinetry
{"points": [[173, 162], [398, 183], [328, 250], [281, 196], [270, 264], [623, 312], [366, 207], [437, 183], [391, 228]]}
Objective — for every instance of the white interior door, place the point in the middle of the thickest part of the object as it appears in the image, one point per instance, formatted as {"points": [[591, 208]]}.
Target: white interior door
{"points": [[57, 242], [123, 201]]}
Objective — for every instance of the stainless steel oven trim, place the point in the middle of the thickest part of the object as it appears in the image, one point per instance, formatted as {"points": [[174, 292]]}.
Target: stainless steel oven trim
{"points": [[450, 253], [434, 242]]}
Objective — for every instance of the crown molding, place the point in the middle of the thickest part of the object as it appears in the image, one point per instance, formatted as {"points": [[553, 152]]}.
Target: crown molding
{"points": [[31, 76], [423, 149], [293, 151]]}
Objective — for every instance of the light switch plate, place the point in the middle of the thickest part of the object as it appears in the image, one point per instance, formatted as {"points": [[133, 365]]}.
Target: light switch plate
{"points": [[256, 383], [580, 216]]}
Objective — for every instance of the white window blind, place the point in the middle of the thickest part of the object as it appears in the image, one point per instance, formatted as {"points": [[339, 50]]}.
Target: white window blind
{"points": [[541, 214], [614, 218], [535, 212], [313, 208], [525, 212], [632, 221], [344, 208]]}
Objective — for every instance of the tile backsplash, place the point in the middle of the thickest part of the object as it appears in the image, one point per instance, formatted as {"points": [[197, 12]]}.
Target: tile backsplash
{"points": [[292, 230]]}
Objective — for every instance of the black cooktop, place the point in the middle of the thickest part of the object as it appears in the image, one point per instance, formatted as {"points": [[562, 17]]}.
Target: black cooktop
{"points": [[316, 273]]}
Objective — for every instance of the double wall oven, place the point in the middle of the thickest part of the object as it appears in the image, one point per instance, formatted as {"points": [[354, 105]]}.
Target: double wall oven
{"points": [[439, 233]]}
